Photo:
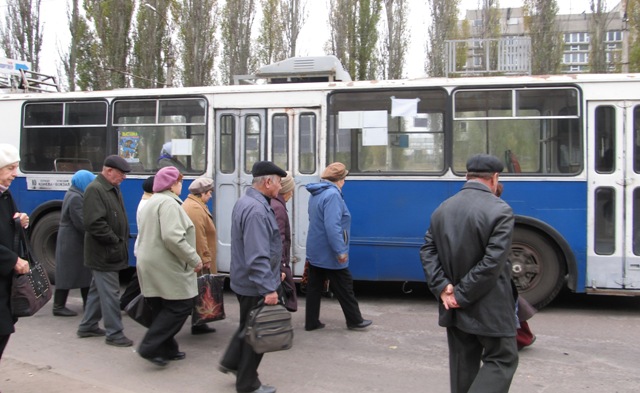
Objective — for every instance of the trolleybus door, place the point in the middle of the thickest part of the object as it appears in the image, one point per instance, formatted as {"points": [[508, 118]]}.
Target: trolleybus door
{"points": [[240, 142], [613, 253], [294, 145]]}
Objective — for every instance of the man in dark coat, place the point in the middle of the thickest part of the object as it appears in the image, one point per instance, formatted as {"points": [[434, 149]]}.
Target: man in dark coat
{"points": [[465, 262], [105, 252], [10, 261]]}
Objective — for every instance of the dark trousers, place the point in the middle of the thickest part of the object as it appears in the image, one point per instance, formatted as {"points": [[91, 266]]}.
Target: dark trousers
{"points": [[342, 287], [239, 355], [499, 357], [168, 318], [4, 339]]}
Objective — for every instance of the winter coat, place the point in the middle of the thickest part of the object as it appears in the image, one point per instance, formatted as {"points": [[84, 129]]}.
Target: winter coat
{"points": [[167, 253], [206, 238], [467, 245], [107, 229], [70, 270], [279, 207], [8, 259], [329, 226], [256, 248]]}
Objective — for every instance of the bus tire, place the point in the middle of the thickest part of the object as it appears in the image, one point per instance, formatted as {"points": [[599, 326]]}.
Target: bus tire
{"points": [[43, 242], [537, 266]]}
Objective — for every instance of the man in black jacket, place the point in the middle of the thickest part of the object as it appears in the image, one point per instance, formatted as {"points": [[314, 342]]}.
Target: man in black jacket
{"points": [[105, 252], [465, 262]]}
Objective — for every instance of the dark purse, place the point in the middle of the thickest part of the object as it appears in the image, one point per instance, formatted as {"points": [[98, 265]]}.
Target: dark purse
{"points": [[30, 291], [140, 310]]}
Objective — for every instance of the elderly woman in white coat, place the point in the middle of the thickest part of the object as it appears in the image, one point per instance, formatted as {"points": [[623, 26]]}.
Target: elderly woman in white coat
{"points": [[167, 267]]}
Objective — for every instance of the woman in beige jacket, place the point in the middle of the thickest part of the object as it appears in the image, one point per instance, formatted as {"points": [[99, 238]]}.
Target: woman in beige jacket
{"points": [[196, 207]]}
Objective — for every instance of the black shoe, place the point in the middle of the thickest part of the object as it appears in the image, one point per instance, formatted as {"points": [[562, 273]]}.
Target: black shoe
{"points": [[178, 356], [119, 342], [320, 325], [361, 325], [97, 332], [226, 370], [265, 389], [157, 360], [202, 329], [64, 312]]}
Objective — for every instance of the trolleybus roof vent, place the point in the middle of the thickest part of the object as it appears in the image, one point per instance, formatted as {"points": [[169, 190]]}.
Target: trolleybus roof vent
{"points": [[300, 70]]}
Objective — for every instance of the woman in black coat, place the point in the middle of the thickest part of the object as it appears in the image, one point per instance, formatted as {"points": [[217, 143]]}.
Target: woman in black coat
{"points": [[10, 262], [70, 270]]}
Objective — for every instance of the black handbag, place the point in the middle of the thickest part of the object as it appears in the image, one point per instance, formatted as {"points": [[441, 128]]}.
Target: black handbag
{"points": [[140, 311], [30, 291], [209, 304], [269, 328]]}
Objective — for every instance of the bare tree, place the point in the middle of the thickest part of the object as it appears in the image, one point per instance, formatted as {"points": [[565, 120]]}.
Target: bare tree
{"points": [[395, 39], [198, 40], [598, 30], [546, 39], [293, 16], [237, 53], [633, 13], [22, 31], [444, 26]]}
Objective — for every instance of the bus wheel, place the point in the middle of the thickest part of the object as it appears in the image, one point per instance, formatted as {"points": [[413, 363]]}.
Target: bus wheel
{"points": [[537, 267], [43, 242]]}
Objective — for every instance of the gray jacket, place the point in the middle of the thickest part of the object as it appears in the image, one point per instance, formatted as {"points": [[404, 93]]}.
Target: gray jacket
{"points": [[256, 248], [467, 245]]}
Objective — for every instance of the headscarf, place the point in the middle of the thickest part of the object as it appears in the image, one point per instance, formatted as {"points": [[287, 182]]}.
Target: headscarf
{"points": [[81, 179]]}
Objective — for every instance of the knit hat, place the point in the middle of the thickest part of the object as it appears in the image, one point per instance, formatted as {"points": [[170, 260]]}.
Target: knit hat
{"points": [[264, 168], [8, 155], [201, 185], [147, 184], [117, 162], [81, 179], [165, 178], [334, 172], [287, 183], [484, 163]]}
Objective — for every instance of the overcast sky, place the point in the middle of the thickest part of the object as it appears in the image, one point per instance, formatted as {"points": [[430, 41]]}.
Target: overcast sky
{"points": [[311, 41]]}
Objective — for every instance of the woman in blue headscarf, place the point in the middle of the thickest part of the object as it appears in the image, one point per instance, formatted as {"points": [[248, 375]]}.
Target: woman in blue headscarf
{"points": [[70, 270]]}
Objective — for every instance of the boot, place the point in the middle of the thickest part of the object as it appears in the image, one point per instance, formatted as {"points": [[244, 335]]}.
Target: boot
{"points": [[59, 304]]}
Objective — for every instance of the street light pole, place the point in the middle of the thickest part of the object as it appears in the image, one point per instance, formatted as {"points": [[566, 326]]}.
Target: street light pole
{"points": [[169, 57]]}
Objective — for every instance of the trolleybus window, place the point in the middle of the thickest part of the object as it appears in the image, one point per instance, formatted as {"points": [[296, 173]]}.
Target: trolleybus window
{"points": [[280, 135], [307, 164], [148, 129], [63, 136], [227, 144], [251, 141], [368, 136], [535, 131]]}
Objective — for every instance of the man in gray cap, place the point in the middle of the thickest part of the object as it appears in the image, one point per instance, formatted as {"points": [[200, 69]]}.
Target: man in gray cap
{"points": [[105, 252], [465, 262], [256, 251]]}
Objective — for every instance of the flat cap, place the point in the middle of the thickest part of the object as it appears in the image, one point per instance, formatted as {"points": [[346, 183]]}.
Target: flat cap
{"points": [[484, 163], [117, 162], [264, 168], [201, 185], [334, 172]]}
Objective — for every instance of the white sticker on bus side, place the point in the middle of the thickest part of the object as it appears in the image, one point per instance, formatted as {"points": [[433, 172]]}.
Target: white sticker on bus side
{"points": [[44, 183]]}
